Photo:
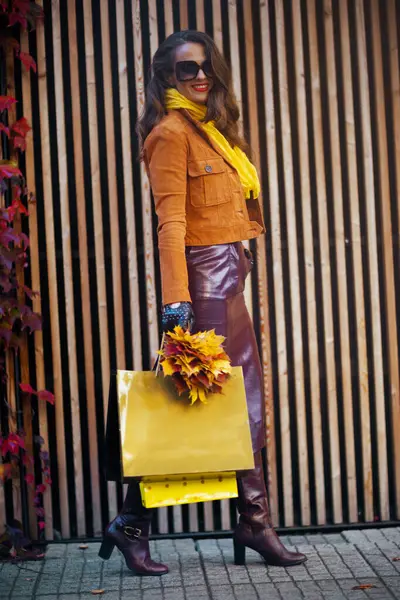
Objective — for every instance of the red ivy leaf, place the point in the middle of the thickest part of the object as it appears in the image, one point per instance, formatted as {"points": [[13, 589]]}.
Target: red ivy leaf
{"points": [[28, 61], [19, 143], [22, 5], [5, 129], [26, 388], [6, 102], [17, 17], [41, 488], [7, 171], [30, 293], [46, 395], [21, 127], [29, 479], [41, 525], [18, 206]]}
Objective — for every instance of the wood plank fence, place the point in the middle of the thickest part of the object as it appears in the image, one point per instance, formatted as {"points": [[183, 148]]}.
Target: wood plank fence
{"points": [[318, 85]]}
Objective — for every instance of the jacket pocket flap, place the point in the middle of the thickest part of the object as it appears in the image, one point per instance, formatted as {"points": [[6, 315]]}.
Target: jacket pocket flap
{"points": [[210, 166]]}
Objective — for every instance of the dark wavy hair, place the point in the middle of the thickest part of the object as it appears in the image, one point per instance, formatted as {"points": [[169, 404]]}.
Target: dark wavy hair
{"points": [[221, 105]]}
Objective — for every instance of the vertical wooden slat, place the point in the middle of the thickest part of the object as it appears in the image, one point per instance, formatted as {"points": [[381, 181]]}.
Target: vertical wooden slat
{"points": [[112, 191], [84, 267], [193, 518], [200, 21], [235, 56], [183, 13], [168, 17], [97, 221], [319, 481], [217, 21], [147, 218], [392, 19], [341, 262], [145, 190], [261, 263], [208, 516], [35, 280], [329, 338], [52, 275], [275, 233], [387, 237], [293, 266], [363, 383], [153, 20], [236, 80], [127, 162], [369, 182], [67, 270]]}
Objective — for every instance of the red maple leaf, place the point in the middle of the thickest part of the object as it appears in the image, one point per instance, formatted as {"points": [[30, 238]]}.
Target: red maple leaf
{"points": [[29, 479], [28, 61]]}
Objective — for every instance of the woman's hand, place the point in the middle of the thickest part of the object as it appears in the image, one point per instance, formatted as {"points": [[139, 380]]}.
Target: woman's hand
{"points": [[179, 313]]}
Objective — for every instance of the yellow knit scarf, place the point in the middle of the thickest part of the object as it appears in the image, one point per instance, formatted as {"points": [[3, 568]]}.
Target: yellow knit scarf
{"points": [[246, 170]]}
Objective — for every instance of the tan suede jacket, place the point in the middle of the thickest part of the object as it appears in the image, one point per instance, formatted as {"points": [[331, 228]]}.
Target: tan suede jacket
{"points": [[198, 198]]}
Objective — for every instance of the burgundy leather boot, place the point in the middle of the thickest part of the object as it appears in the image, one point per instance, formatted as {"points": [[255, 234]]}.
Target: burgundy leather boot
{"points": [[255, 528], [129, 532]]}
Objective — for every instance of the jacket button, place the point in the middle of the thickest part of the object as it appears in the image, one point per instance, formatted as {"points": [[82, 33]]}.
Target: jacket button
{"points": [[208, 168]]}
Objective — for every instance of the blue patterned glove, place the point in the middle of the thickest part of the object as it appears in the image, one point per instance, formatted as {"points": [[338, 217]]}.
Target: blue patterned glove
{"points": [[179, 313]]}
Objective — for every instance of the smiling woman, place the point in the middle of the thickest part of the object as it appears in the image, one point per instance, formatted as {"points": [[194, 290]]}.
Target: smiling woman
{"points": [[206, 198]]}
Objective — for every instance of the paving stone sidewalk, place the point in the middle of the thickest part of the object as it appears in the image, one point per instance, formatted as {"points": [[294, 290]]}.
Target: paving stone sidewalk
{"points": [[204, 570]]}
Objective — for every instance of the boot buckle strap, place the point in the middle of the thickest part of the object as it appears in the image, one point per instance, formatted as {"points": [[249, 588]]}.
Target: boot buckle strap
{"points": [[132, 533]]}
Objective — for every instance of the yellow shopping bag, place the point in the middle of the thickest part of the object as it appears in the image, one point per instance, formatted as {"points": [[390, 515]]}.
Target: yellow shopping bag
{"points": [[162, 434], [177, 489]]}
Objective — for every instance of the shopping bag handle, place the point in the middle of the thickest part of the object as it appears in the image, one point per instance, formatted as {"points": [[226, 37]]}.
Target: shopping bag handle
{"points": [[157, 364]]}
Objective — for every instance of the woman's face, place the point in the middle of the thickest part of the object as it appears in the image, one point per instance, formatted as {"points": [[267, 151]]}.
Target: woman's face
{"points": [[197, 88]]}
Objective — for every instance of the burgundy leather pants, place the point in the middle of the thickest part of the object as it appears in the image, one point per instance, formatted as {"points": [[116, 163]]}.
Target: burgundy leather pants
{"points": [[216, 282]]}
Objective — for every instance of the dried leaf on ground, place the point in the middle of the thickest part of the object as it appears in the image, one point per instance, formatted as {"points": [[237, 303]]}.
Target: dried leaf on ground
{"points": [[396, 559], [98, 592], [83, 547], [364, 586]]}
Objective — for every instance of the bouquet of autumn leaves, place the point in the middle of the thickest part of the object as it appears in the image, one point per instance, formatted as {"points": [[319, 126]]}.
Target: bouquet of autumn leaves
{"points": [[196, 362]]}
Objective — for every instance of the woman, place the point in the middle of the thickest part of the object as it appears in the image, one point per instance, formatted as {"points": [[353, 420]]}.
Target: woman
{"points": [[205, 191]]}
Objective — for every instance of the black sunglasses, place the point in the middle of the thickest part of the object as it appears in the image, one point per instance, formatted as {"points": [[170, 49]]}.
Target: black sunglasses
{"points": [[186, 70]]}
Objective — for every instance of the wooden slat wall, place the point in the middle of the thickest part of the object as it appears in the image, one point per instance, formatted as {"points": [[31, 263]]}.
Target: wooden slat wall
{"points": [[318, 83]]}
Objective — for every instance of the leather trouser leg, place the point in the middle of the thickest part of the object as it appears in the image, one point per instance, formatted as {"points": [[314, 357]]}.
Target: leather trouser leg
{"points": [[255, 529]]}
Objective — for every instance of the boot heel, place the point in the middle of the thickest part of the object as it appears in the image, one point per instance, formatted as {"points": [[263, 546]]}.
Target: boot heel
{"points": [[106, 549], [239, 552]]}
